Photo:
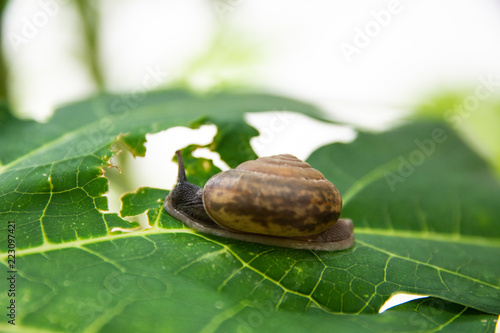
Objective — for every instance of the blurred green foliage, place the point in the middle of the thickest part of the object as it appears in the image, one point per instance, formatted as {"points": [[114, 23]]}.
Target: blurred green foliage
{"points": [[226, 62], [474, 114], [3, 69]]}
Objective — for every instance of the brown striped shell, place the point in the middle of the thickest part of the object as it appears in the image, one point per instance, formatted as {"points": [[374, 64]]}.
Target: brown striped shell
{"points": [[276, 200], [278, 195]]}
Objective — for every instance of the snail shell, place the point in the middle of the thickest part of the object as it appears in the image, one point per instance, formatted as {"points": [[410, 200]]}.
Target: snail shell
{"points": [[277, 200]]}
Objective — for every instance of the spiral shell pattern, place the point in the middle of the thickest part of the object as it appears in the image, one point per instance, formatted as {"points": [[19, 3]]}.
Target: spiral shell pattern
{"points": [[277, 195]]}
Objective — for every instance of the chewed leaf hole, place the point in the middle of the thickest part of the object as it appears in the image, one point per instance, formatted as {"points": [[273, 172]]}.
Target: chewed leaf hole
{"points": [[141, 220], [398, 299]]}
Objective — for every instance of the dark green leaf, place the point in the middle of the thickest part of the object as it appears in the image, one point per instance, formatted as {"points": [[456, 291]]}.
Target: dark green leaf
{"points": [[433, 231]]}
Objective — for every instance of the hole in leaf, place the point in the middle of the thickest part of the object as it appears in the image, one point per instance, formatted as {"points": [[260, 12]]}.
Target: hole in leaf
{"points": [[398, 299], [215, 157], [156, 168], [293, 133]]}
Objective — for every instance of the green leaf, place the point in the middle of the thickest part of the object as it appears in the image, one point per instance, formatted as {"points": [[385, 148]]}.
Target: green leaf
{"points": [[74, 274], [474, 116], [232, 141], [52, 173], [426, 214]]}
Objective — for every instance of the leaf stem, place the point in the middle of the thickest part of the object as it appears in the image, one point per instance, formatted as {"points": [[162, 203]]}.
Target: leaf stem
{"points": [[3, 68], [89, 16]]}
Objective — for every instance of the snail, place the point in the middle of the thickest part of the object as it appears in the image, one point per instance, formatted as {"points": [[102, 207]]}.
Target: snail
{"points": [[277, 200]]}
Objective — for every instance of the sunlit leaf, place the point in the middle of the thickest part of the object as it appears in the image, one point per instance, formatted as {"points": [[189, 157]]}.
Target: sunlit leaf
{"points": [[434, 231]]}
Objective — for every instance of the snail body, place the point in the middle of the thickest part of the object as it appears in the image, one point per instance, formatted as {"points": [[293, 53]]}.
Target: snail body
{"points": [[277, 200]]}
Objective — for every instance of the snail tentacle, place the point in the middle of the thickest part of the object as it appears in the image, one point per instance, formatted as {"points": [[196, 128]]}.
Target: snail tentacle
{"points": [[187, 197]]}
